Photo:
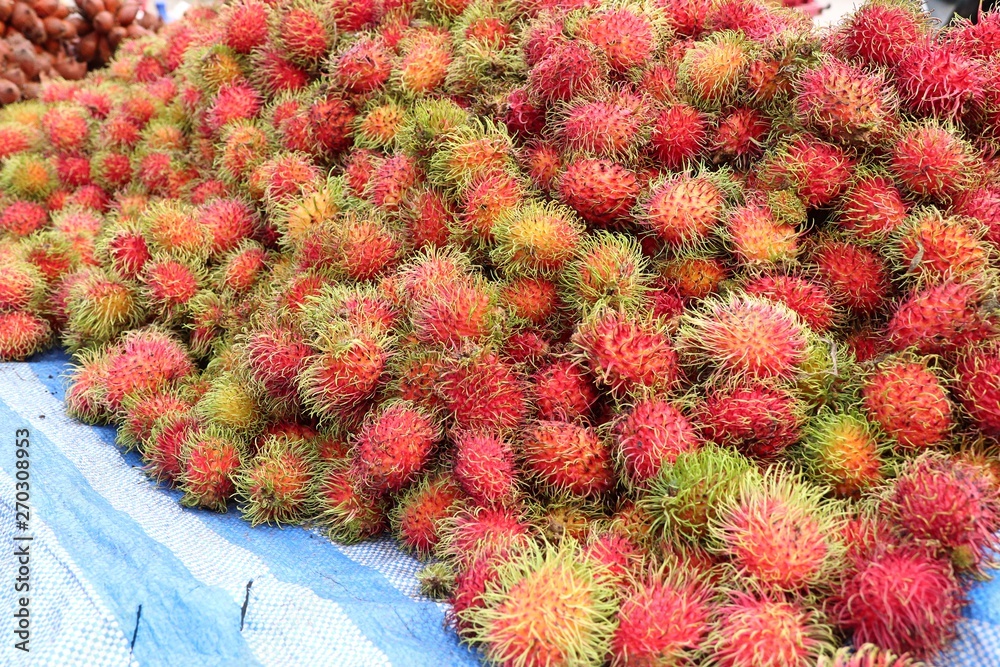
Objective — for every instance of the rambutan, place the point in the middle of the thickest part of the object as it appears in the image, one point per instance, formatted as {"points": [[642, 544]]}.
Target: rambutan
{"points": [[348, 511], [940, 319], [906, 398], [977, 375], [757, 236], [22, 333], [169, 285], [455, 312], [275, 485], [229, 403], [807, 299], [393, 446], [854, 276], [567, 458], [930, 160], [534, 300], [741, 135], [843, 102], [902, 599], [245, 25], [867, 655], [758, 420], [568, 69], [933, 248], [424, 65], [664, 618], [872, 207], [347, 371], [211, 459], [766, 630], [609, 270], [816, 171], [233, 103], [365, 66], [683, 209], [608, 126], [562, 390], [21, 286], [164, 449], [627, 353], [712, 70], [652, 433], [536, 237], [276, 358], [936, 79], [625, 36], [485, 467], [880, 31], [482, 391], [99, 307], [21, 218], [545, 607], [303, 32], [694, 277], [744, 336], [481, 532], [417, 518], [679, 135], [950, 503], [843, 451]]}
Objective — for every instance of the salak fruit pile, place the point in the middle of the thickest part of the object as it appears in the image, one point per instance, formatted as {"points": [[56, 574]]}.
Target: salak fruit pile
{"points": [[667, 331]]}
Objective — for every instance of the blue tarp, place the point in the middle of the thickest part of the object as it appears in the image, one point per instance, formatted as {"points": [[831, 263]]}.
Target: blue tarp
{"points": [[213, 591]]}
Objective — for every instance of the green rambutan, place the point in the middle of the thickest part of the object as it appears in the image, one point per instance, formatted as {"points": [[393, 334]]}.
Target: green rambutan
{"points": [[843, 451], [609, 270], [98, 308], [229, 403], [437, 581], [28, 176], [536, 237], [713, 69]]}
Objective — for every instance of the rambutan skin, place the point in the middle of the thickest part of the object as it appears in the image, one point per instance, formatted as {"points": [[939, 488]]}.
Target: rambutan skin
{"points": [[393, 446], [909, 402], [568, 457]]}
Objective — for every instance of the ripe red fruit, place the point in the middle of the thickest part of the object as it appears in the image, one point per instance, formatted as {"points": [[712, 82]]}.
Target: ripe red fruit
{"points": [[679, 135], [741, 135], [276, 356], [365, 66], [566, 457], [843, 102], [21, 218], [872, 207], [684, 209], [808, 299], [854, 275], [901, 599], [144, 360], [758, 420], [245, 26], [303, 34], [940, 319], [664, 619], [393, 446], [879, 33], [599, 190], [562, 390], [932, 161], [909, 402], [22, 334], [483, 391], [485, 467], [568, 70], [627, 353], [952, 503], [978, 387], [625, 37], [650, 435], [765, 630], [936, 79], [211, 461], [421, 510]]}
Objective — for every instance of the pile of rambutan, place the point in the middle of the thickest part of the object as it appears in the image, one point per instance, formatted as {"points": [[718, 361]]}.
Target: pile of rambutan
{"points": [[667, 331]]}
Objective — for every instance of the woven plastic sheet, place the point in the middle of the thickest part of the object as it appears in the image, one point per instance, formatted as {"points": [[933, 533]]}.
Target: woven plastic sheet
{"points": [[213, 591]]}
